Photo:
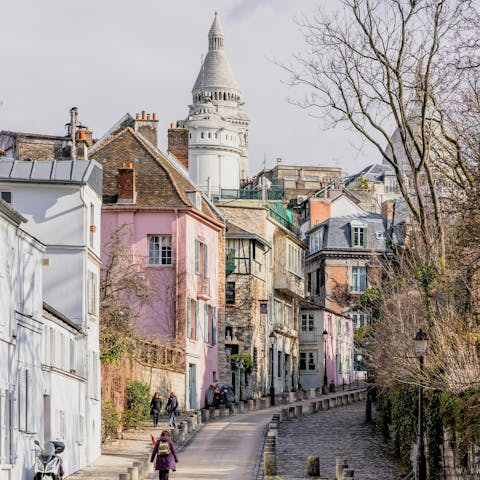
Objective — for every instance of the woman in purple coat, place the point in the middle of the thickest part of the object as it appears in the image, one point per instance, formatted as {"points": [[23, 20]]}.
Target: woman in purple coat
{"points": [[165, 461]]}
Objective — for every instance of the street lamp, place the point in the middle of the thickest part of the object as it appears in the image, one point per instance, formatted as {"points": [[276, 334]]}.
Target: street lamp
{"points": [[273, 340], [421, 341], [325, 378]]}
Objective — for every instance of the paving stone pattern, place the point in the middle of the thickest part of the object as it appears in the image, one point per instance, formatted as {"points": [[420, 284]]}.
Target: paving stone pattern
{"points": [[339, 432]]}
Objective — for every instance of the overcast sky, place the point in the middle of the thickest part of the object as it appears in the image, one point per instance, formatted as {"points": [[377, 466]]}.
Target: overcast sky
{"points": [[109, 57]]}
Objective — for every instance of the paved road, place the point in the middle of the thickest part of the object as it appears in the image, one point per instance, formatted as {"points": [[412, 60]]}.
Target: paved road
{"points": [[224, 449], [340, 432]]}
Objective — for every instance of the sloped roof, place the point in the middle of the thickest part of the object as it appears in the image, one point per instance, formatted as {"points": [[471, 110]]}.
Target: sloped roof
{"points": [[173, 197], [374, 172], [234, 231], [47, 171], [11, 213]]}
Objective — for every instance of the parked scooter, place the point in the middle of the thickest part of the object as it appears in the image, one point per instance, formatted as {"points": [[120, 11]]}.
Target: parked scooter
{"points": [[220, 394], [48, 463]]}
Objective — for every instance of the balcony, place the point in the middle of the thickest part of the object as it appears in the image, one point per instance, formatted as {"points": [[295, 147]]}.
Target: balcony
{"points": [[308, 336], [289, 284], [285, 330], [282, 220], [203, 288]]}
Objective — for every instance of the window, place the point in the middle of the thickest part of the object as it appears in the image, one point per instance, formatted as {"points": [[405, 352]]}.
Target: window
{"points": [[159, 249], [359, 279], [209, 135], [201, 135], [307, 322], [317, 281], [309, 284], [6, 196], [60, 427], [72, 355], [291, 177], [279, 364], [197, 321], [294, 259], [316, 240], [289, 316], [92, 293], [230, 293], [308, 361], [391, 185], [359, 235], [94, 375], [25, 401], [191, 322], [28, 284], [6, 427], [201, 258], [359, 318]]}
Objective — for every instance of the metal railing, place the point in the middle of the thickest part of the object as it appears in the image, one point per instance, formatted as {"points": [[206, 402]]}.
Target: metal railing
{"points": [[283, 221]]}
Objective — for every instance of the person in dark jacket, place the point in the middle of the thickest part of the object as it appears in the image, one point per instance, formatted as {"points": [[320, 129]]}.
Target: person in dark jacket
{"points": [[172, 409], [164, 463], [155, 408]]}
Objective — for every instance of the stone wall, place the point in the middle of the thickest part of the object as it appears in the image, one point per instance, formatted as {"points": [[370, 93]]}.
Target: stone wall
{"points": [[162, 380], [452, 469]]}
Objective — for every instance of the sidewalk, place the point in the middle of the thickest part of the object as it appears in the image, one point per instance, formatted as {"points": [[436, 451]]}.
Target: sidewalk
{"points": [[118, 455], [135, 446]]}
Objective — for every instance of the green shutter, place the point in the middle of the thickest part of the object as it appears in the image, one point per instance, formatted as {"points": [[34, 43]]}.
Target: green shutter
{"points": [[214, 326], [365, 237], [352, 235], [197, 257], [205, 322], [197, 320], [189, 318]]}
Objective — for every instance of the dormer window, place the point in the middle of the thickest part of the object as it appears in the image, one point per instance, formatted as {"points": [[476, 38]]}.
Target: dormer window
{"points": [[196, 198], [358, 234]]}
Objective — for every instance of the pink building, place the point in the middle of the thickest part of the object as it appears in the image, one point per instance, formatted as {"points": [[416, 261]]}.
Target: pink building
{"points": [[177, 236]]}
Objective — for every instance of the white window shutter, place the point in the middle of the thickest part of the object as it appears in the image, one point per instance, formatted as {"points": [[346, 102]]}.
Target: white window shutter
{"points": [[22, 398]]}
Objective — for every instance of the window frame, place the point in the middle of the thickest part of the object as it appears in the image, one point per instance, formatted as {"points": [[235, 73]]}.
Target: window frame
{"points": [[359, 279], [164, 252]]}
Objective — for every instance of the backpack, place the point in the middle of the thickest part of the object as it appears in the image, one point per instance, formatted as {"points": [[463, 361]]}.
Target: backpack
{"points": [[163, 449]]}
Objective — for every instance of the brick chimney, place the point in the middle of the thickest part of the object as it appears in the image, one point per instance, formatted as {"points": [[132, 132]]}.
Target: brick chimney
{"points": [[178, 143], [146, 125], [126, 184], [320, 210], [388, 210]]}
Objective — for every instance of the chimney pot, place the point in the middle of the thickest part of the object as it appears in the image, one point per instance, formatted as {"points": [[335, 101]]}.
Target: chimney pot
{"points": [[144, 115], [154, 116], [130, 165], [137, 116], [171, 125], [148, 116], [123, 164]]}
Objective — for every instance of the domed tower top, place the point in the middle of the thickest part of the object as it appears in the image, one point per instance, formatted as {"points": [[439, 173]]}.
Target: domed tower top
{"points": [[216, 74]]}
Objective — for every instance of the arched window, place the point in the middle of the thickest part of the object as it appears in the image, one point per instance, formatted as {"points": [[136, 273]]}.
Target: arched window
{"points": [[224, 96], [201, 135]]}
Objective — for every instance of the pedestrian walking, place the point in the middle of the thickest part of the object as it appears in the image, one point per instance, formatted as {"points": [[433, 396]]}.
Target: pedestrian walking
{"points": [[172, 409], [166, 455], [155, 408]]}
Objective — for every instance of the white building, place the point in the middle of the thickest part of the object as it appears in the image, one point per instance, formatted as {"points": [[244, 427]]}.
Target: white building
{"points": [[21, 415], [217, 123], [61, 202]]}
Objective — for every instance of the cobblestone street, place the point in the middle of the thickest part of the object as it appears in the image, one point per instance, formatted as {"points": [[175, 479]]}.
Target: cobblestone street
{"points": [[340, 432]]}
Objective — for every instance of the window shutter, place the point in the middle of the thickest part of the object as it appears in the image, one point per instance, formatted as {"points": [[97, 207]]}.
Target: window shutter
{"points": [[30, 402], [189, 318], [197, 320], [197, 257], [205, 322], [214, 326], [365, 230], [22, 399], [72, 355], [352, 236], [205, 261]]}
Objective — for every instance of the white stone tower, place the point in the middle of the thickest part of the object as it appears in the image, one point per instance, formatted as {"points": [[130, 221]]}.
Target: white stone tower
{"points": [[218, 126]]}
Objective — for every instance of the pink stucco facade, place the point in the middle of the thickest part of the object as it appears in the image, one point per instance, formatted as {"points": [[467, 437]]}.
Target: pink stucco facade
{"points": [[178, 290]]}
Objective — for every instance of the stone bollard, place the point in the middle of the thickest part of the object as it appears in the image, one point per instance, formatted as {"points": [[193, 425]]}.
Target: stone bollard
{"points": [[345, 399], [181, 432], [250, 405], [269, 457], [212, 413], [147, 467], [313, 466], [291, 412], [268, 402], [141, 468], [241, 407], [311, 393], [284, 398], [299, 411], [198, 414], [340, 465], [276, 417], [194, 421], [339, 401], [356, 396], [133, 472], [263, 403], [189, 421], [232, 409], [205, 415], [123, 476], [284, 414], [312, 407], [221, 411], [291, 397], [347, 473]]}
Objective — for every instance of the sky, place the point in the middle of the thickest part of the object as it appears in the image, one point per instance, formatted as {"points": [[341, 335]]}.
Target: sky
{"points": [[110, 57]]}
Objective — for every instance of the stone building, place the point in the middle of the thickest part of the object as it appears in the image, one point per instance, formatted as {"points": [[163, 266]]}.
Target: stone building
{"points": [[296, 180], [217, 123], [177, 237], [265, 282]]}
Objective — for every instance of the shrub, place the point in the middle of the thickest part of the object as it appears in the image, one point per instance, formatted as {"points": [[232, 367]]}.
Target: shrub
{"points": [[138, 401], [110, 421]]}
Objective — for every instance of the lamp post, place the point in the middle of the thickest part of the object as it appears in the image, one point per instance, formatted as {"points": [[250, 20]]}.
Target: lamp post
{"points": [[421, 341], [273, 340], [325, 378]]}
